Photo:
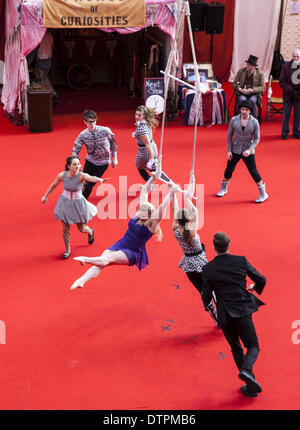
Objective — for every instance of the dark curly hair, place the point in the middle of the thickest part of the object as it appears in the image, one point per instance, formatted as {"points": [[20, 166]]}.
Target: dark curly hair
{"points": [[69, 162]]}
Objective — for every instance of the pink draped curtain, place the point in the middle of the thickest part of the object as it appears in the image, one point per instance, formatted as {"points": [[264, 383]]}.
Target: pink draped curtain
{"points": [[25, 35]]}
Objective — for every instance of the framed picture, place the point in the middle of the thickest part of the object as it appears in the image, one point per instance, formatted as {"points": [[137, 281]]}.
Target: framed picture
{"points": [[205, 72]]}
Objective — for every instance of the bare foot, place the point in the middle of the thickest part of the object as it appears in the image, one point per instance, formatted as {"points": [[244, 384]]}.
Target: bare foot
{"points": [[77, 284], [80, 259]]}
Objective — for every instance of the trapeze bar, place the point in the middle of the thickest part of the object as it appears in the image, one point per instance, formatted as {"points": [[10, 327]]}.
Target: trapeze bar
{"points": [[179, 80], [182, 191]]}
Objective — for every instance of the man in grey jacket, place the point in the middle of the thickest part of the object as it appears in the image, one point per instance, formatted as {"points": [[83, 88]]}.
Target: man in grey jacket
{"points": [[242, 138]]}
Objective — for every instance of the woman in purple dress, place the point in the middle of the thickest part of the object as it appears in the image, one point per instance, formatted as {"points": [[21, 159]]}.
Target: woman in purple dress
{"points": [[131, 249]]}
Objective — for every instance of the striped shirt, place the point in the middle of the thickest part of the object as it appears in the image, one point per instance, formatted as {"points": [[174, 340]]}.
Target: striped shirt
{"points": [[143, 129], [99, 143]]}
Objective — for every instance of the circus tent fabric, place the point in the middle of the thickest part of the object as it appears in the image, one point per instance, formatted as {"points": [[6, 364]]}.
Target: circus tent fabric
{"points": [[2, 29], [230, 49], [24, 31], [260, 42]]}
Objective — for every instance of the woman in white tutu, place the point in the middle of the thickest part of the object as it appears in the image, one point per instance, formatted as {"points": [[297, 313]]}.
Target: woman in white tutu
{"points": [[72, 207]]}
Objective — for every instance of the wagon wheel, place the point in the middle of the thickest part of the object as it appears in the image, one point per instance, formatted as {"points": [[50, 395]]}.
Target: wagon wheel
{"points": [[80, 77]]}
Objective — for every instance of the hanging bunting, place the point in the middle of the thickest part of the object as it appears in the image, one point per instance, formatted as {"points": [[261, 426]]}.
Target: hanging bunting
{"points": [[152, 12], [90, 44], [70, 45], [173, 10], [111, 45]]}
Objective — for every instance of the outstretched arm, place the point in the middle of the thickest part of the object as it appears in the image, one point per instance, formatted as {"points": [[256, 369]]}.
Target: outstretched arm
{"points": [[175, 208], [89, 178], [113, 150], [52, 187], [146, 190], [160, 212], [190, 206], [147, 187]]}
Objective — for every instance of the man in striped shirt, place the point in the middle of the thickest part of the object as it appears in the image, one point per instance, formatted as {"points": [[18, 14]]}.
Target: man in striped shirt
{"points": [[101, 148]]}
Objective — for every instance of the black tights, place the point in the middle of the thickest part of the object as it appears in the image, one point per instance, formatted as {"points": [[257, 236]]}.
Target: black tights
{"points": [[83, 228], [144, 174], [196, 280], [249, 162]]}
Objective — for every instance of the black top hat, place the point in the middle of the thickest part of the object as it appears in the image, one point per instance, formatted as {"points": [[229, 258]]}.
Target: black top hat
{"points": [[252, 60], [246, 104]]}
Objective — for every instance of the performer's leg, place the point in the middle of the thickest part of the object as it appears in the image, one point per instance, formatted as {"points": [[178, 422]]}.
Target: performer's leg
{"points": [[93, 272], [287, 109], [231, 164], [144, 174], [67, 239], [251, 166], [296, 120], [165, 178], [196, 279], [107, 258], [92, 170], [231, 334], [248, 336], [84, 228]]}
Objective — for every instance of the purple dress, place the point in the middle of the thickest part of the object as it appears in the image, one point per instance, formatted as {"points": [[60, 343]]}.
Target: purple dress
{"points": [[133, 244]]}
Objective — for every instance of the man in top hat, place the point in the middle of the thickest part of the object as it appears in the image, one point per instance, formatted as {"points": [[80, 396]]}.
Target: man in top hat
{"points": [[249, 84], [226, 276]]}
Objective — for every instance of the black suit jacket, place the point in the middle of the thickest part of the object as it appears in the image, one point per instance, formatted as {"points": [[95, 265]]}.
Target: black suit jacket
{"points": [[226, 276]]}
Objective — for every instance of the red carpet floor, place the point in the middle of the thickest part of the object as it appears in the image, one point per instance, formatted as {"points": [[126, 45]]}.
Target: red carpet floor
{"points": [[104, 347]]}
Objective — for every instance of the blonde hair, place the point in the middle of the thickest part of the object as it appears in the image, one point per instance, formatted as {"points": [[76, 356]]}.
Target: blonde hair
{"points": [[150, 116], [148, 222]]}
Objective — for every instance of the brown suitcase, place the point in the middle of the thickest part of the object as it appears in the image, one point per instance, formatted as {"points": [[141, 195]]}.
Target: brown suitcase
{"points": [[39, 110]]}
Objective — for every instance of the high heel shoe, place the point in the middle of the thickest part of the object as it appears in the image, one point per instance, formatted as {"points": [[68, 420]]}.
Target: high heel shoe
{"points": [[91, 237], [66, 255]]}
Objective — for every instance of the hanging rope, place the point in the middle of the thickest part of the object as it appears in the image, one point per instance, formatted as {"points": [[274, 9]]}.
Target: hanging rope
{"points": [[197, 81], [184, 11], [171, 59]]}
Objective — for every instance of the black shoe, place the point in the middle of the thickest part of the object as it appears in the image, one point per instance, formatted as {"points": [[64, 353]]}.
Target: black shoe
{"points": [[66, 255], [284, 136], [91, 237], [251, 382], [245, 390], [297, 136]]}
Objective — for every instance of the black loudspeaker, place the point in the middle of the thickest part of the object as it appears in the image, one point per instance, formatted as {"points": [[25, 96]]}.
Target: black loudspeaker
{"points": [[215, 18], [39, 110], [198, 14]]}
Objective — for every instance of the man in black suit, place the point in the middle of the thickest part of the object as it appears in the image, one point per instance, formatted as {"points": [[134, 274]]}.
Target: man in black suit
{"points": [[226, 276]]}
